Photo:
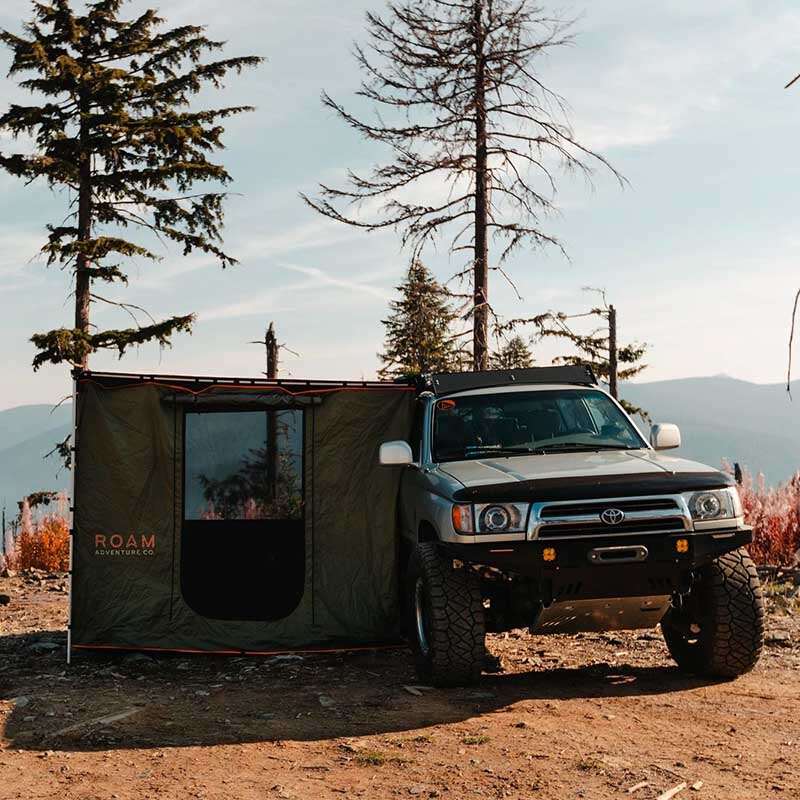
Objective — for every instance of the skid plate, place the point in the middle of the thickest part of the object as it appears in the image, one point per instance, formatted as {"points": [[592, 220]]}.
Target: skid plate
{"points": [[605, 614]]}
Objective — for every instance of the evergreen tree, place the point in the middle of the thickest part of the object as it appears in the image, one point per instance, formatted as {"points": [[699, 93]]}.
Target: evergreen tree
{"points": [[267, 485], [514, 354], [459, 99], [593, 350], [114, 129], [418, 336], [598, 348]]}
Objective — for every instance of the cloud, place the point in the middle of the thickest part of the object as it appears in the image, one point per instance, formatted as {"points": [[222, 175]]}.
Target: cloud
{"points": [[326, 279], [22, 267], [304, 236], [286, 297], [249, 248], [648, 83]]}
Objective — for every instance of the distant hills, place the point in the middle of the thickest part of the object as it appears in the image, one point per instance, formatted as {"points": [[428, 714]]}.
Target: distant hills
{"points": [[26, 434], [720, 417]]}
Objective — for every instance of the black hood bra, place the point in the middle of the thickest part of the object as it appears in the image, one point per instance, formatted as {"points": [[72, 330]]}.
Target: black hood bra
{"points": [[595, 487]]}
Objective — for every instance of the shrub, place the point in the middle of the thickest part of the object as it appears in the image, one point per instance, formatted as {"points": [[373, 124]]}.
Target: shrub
{"points": [[42, 545], [774, 514]]}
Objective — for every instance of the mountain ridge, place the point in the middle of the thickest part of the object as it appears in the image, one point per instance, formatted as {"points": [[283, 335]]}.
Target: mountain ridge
{"points": [[722, 417]]}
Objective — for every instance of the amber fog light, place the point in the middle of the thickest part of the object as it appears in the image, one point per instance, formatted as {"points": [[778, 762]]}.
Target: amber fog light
{"points": [[463, 518], [681, 545], [549, 554]]}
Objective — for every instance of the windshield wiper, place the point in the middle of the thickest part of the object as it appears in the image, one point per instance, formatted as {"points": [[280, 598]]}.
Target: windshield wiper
{"points": [[539, 450], [584, 446], [488, 448]]}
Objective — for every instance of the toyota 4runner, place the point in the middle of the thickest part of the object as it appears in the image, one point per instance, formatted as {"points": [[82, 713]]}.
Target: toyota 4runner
{"points": [[530, 499]]}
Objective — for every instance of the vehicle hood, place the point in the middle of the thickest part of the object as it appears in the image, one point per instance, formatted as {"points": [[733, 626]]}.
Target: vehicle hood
{"points": [[608, 473]]}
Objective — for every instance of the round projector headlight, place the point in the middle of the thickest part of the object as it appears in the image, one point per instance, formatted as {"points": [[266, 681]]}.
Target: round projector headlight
{"points": [[707, 506], [495, 518]]}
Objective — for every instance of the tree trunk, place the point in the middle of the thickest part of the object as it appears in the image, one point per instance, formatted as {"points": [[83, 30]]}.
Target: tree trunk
{"points": [[612, 351], [82, 263], [480, 320], [271, 345]]}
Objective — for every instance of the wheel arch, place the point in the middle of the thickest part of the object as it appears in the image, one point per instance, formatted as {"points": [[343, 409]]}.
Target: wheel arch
{"points": [[426, 532]]}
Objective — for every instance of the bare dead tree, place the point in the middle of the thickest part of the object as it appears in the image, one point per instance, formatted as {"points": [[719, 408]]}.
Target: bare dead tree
{"points": [[272, 351], [791, 342], [476, 137], [271, 456], [796, 301], [272, 348], [613, 350]]}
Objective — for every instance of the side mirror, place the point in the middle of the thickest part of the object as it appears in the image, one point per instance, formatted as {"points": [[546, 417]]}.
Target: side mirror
{"points": [[394, 454], [665, 436]]}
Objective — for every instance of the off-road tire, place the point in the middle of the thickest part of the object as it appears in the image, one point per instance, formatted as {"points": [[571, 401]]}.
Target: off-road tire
{"points": [[455, 628], [727, 605]]}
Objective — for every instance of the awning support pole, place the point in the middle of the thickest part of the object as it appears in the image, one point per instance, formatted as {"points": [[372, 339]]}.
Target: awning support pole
{"points": [[73, 466]]}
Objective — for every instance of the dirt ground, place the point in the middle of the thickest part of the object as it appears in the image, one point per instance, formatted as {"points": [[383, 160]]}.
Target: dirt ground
{"points": [[592, 716]]}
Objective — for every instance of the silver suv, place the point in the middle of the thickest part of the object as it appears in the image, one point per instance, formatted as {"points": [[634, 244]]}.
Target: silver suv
{"points": [[529, 498]]}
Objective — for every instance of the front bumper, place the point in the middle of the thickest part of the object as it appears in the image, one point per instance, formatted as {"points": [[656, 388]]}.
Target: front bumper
{"points": [[566, 568]]}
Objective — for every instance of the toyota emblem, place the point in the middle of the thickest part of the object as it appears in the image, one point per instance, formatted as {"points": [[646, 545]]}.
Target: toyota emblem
{"points": [[612, 516]]}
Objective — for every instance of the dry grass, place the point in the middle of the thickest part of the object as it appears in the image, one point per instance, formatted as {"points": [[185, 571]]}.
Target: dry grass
{"points": [[371, 758], [42, 545], [775, 517]]}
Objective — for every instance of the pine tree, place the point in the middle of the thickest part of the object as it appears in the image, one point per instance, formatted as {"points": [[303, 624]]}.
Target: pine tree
{"points": [[114, 128], [419, 340], [266, 486], [593, 350], [514, 354], [460, 105], [598, 348]]}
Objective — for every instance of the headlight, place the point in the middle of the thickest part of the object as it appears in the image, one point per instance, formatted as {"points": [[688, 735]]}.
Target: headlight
{"points": [[718, 504], [495, 518], [490, 518]]}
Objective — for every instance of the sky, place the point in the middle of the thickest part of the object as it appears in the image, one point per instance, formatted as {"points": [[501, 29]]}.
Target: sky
{"points": [[700, 252]]}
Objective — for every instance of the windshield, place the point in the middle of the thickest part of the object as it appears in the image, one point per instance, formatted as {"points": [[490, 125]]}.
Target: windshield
{"points": [[511, 423]]}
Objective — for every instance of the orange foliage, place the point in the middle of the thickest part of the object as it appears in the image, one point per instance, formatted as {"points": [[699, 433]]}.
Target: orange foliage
{"points": [[44, 545], [774, 514]]}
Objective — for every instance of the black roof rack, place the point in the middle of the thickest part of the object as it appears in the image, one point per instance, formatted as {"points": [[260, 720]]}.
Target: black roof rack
{"points": [[440, 383], [195, 381], [450, 382]]}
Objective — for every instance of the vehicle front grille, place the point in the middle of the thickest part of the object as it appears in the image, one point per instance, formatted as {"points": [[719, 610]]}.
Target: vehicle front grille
{"points": [[599, 528], [598, 506], [642, 515]]}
